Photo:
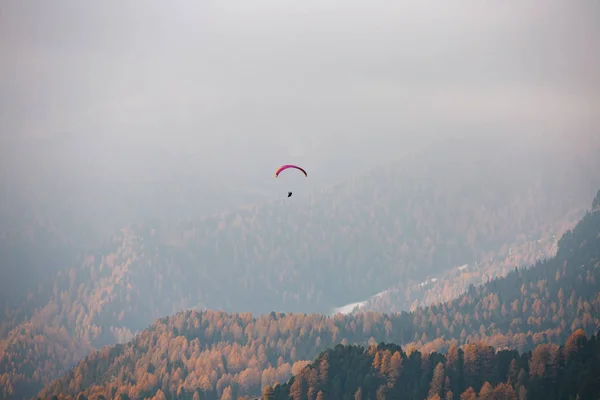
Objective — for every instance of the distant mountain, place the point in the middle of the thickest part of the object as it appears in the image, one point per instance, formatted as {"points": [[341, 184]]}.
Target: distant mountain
{"points": [[477, 372], [205, 353], [399, 224], [444, 286], [45, 226]]}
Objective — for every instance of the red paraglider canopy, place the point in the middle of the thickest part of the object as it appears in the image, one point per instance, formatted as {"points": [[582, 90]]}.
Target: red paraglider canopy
{"points": [[284, 167]]}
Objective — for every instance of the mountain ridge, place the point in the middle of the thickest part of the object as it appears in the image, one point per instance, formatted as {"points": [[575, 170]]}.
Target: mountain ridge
{"points": [[385, 371], [385, 220], [209, 351]]}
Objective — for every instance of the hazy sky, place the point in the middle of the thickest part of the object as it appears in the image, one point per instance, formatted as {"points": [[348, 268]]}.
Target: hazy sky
{"points": [[199, 94], [144, 89]]}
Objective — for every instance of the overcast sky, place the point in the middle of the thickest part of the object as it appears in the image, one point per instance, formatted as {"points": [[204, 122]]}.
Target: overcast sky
{"points": [[144, 89]]}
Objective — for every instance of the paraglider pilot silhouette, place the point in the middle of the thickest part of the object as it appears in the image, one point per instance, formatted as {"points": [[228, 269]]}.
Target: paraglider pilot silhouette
{"points": [[284, 167]]}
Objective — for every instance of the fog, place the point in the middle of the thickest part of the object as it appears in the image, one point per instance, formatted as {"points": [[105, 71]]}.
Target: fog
{"points": [[116, 112], [94, 93]]}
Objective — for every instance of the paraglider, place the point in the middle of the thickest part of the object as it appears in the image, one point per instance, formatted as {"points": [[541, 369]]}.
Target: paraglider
{"points": [[287, 166]]}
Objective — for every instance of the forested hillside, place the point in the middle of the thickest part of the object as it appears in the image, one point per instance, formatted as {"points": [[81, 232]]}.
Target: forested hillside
{"points": [[475, 372], [400, 223], [45, 228], [444, 286], [207, 352]]}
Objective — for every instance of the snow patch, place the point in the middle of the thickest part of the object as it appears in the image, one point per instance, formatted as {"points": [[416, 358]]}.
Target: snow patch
{"points": [[350, 308]]}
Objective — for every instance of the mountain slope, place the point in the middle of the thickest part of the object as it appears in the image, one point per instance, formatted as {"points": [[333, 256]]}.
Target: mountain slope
{"points": [[45, 227], [386, 372], [399, 224], [444, 286], [209, 351], [421, 215]]}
